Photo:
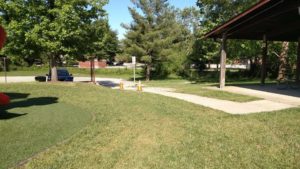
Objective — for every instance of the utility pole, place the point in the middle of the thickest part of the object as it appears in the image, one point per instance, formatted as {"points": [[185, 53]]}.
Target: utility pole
{"points": [[134, 67]]}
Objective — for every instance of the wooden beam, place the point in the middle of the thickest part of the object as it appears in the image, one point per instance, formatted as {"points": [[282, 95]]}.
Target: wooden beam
{"points": [[264, 60], [223, 61], [263, 17], [298, 63]]}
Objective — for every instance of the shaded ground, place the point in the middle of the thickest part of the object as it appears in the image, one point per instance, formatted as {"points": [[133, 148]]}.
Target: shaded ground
{"points": [[268, 92], [273, 88]]}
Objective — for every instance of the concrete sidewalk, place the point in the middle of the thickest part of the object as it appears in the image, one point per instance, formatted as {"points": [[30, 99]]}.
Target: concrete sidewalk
{"points": [[272, 101], [224, 105], [266, 92], [17, 79]]}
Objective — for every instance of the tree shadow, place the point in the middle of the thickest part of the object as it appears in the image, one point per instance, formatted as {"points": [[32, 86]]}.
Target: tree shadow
{"points": [[271, 88], [7, 116], [14, 96], [108, 83], [39, 101]]}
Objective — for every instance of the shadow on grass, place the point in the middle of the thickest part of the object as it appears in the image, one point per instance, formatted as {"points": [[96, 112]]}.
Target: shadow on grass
{"points": [[14, 96], [271, 88], [39, 101], [108, 83]]}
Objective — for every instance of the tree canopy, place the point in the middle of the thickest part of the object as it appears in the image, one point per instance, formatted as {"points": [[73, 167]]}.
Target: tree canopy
{"points": [[167, 40], [54, 28], [154, 35]]}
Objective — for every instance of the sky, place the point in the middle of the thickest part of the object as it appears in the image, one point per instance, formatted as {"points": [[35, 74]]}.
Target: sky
{"points": [[118, 12]]}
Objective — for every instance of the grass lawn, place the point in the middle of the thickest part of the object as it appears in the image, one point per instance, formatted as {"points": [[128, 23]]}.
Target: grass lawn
{"points": [[138, 130], [183, 86], [114, 73]]}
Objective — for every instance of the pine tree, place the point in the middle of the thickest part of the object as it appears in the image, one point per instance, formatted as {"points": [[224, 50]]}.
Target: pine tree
{"points": [[152, 35]]}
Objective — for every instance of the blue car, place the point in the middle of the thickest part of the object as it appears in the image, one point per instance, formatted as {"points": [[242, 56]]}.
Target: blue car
{"points": [[62, 75]]}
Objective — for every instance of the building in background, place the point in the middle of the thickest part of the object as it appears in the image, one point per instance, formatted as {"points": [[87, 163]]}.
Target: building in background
{"points": [[98, 64]]}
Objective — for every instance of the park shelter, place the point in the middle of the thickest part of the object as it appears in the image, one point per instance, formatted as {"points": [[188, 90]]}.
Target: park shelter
{"points": [[267, 20]]}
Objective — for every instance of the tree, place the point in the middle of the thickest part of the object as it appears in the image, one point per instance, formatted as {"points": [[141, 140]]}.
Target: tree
{"points": [[282, 72], [15, 16], [216, 12], [198, 50], [110, 46], [152, 35], [52, 27]]}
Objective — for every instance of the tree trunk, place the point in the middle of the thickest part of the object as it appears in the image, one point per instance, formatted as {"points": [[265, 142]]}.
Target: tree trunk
{"points": [[283, 62], [92, 65], [251, 69], [53, 69], [148, 72], [264, 60], [298, 63], [51, 5]]}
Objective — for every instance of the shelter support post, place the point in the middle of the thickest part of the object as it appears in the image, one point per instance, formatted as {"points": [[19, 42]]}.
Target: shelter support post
{"points": [[223, 61], [264, 60], [298, 63]]}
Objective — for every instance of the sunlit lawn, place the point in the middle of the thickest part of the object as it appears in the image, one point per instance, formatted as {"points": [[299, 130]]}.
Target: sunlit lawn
{"points": [[183, 86], [77, 72], [140, 130]]}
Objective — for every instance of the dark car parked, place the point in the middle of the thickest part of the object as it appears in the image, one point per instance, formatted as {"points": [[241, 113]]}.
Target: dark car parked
{"points": [[62, 75]]}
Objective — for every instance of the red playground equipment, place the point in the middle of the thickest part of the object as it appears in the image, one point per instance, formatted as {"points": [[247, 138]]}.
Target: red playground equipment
{"points": [[4, 99]]}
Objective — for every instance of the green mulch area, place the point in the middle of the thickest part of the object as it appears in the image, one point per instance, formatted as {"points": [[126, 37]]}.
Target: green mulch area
{"points": [[140, 130], [200, 89], [34, 121]]}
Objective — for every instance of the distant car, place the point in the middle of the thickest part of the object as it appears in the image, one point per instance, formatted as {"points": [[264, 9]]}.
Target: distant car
{"points": [[62, 75], [118, 63]]}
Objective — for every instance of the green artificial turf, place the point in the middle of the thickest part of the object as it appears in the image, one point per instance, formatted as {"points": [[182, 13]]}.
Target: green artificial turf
{"points": [[34, 121], [141, 130]]}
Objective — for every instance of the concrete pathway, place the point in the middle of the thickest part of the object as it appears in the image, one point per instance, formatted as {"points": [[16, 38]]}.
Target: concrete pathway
{"points": [[272, 101], [291, 97], [17, 79], [224, 105]]}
